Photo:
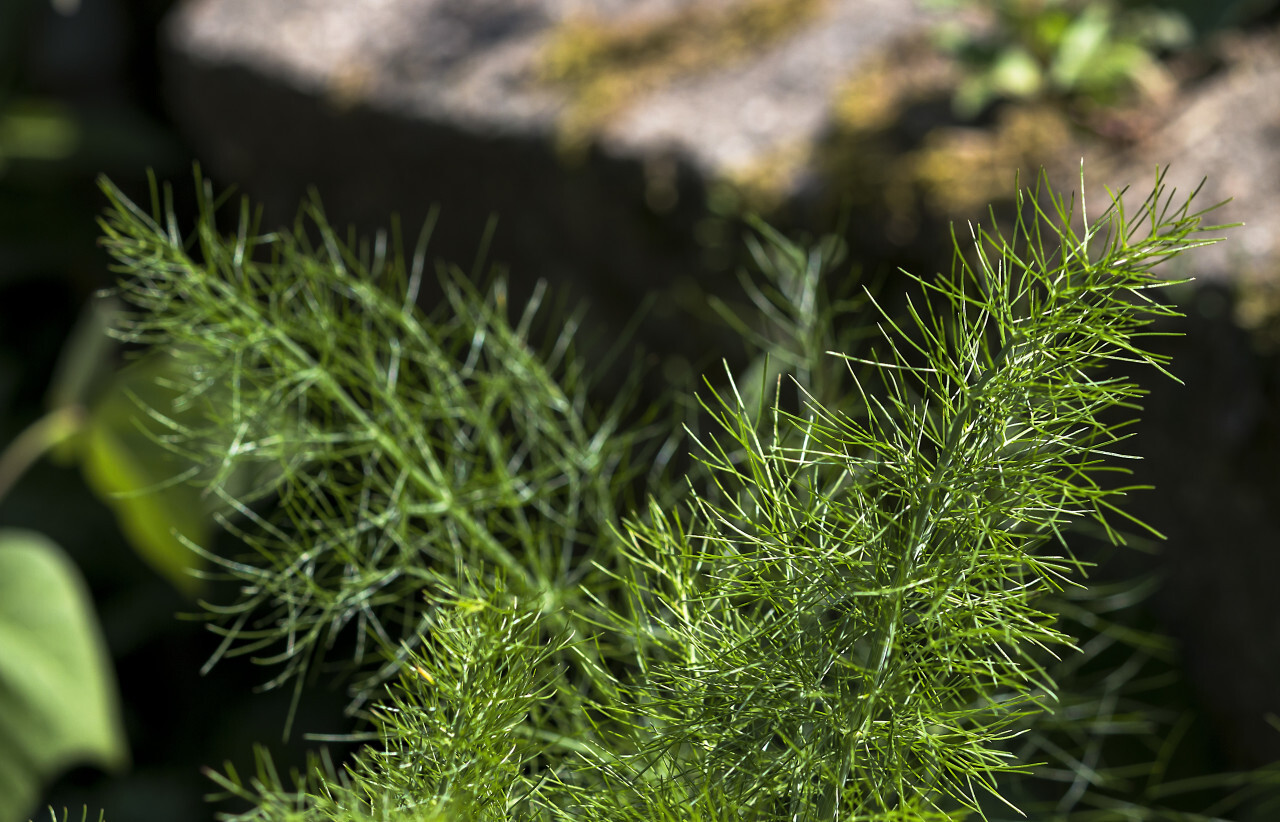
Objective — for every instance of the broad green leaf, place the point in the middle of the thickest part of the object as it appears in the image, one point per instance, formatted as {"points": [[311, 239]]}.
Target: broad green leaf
{"points": [[118, 450], [138, 477], [58, 701]]}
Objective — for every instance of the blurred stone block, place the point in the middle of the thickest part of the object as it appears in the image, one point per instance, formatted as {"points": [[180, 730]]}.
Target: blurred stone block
{"points": [[1224, 132], [594, 128]]}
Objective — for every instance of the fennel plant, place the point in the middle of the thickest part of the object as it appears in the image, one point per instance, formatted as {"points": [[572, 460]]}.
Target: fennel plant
{"points": [[850, 606]]}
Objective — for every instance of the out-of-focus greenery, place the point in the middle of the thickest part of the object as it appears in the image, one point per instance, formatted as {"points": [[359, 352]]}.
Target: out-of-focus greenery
{"points": [[58, 697], [1078, 50], [58, 702], [50, 147], [121, 451], [65, 115], [77, 97]]}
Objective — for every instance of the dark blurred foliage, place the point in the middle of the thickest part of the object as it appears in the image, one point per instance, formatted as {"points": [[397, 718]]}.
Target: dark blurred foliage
{"points": [[1209, 16], [80, 96]]}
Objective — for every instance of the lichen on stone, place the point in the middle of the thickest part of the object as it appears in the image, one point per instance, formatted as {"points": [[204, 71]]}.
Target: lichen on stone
{"points": [[763, 185], [959, 170], [605, 64]]}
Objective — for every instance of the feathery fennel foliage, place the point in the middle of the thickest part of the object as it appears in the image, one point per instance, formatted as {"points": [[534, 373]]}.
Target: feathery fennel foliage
{"points": [[849, 614], [398, 451], [851, 619]]}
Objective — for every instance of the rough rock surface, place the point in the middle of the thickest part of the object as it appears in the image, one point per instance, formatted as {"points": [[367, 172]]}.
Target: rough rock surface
{"points": [[1226, 133], [473, 65], [393, 105]]}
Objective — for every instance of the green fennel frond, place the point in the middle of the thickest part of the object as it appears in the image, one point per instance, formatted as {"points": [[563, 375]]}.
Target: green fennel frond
{"points": [[390, 452], [858, 608], [850, 620], [452, 730]]}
